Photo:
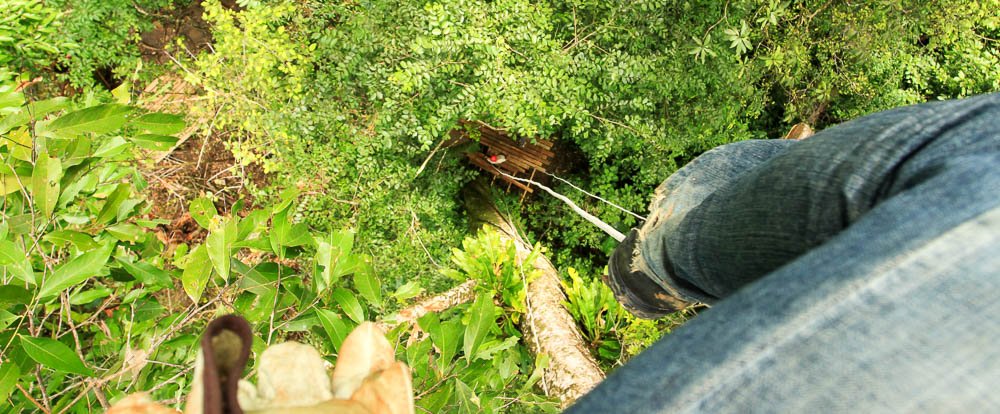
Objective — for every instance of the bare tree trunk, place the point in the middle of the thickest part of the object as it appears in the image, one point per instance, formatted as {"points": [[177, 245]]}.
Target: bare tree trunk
{"points": [[548, 327]]}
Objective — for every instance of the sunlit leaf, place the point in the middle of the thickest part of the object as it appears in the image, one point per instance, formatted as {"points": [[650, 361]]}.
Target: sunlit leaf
{"points": [[54, 355], [45, 183], [336, 329], [14, 261], [97, 119], [154, 142], [75, 271], [197, 273], [481, 320], [220, 240], [349, 303], [202, 211]]}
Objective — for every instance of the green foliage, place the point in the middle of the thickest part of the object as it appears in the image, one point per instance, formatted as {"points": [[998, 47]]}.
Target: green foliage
{"points": [[479, 362], [594, 307], [105, 35], [29, 34], [72, 243]]}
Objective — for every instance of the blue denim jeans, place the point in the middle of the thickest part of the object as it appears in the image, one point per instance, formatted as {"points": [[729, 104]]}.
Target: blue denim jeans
{"points": [[856, 270]]}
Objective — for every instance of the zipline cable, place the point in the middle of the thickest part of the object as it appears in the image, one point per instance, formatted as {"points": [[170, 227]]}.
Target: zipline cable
{"points": [[611, 231], [594, 196]]}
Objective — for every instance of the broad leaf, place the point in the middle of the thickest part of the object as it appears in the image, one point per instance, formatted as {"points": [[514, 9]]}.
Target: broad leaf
{"points": [[334, 326], [368, 284], [126, 232], [202, 211], [45, 183], [82, 241], [110, 210], [87, 296], [20, 144], [468, 402], [219, 243], [75, 271], [14, 295], [196, 273], [160, 123], [9, 372], [481, 320], [445, 335], [146, 273], [349, 303], [54, 355], [14, 261], [33, 111], [154, 142], [408, 290], [99, 119]]}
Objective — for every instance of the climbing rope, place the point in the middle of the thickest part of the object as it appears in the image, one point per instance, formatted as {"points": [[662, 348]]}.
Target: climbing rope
{"points": [[611, 231], [595, 196]]}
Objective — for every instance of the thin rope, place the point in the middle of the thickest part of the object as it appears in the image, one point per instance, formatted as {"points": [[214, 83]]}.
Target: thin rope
{"points": [[595, 196], [611, 231]]}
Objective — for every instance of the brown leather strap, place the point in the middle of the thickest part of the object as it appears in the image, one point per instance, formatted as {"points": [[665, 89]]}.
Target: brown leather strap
{"points": [[226, 349]]}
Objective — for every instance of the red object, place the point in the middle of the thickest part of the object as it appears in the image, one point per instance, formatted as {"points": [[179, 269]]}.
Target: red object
{"points": [[493, 158]]}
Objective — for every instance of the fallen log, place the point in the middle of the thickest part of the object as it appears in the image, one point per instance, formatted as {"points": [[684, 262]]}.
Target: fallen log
{"points": [[438, 303], [548, 327]]}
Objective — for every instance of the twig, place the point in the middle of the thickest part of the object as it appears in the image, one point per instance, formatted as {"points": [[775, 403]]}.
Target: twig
{"points": [[431, 155], [28, 396]]}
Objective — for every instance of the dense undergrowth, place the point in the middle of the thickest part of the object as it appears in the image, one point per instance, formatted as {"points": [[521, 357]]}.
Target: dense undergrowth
{"points": [[343, 106]]}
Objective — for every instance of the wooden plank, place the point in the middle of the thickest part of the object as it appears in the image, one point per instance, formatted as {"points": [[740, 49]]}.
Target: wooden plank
{"points": [[538, 152], [513, 166], [528, 151], [526, 157], [482, 163]]}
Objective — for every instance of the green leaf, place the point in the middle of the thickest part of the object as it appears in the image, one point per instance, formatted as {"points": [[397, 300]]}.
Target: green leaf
{"points": [[11, 99], [99, 119], [154, 142], [368, 284], [34, 111], [445, 335], [196, 273], [14, 295], [146, 273], [82, 241], [20, 144], [160, 123], [250, 223], [14, 261], [219, 243], [45, 183], [334, 326], [333, 254], [126, 232], [9, 372], [202, 211], [408, 290], [114, 200], [54, 355], [481, 320], [349, 303], [87, 296], [6, 318], [75, 271], [468, 402]]}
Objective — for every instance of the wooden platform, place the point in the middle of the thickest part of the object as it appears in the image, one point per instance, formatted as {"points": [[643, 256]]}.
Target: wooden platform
{"points": [[524, 157]]}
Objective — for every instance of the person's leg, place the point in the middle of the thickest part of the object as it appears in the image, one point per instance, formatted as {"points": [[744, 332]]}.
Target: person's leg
{"points": [[677, 195], [739, 228], [884, 299]]}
